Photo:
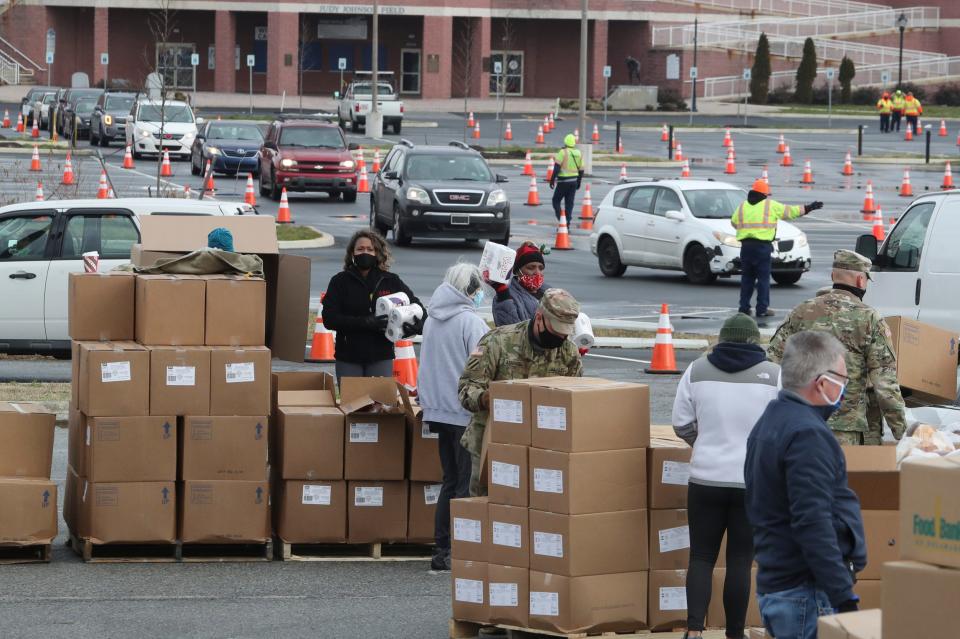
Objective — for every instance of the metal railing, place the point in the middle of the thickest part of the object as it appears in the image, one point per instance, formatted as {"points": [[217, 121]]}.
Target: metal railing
{"points": [[789, 7], [15, 65], [9, 70]]}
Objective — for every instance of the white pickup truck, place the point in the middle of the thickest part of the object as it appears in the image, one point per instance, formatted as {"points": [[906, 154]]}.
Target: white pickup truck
{"points": [[355, 104]]}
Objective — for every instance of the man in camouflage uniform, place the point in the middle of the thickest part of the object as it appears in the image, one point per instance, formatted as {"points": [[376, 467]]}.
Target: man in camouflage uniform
{"points": [[535, 348], [871, 363]]}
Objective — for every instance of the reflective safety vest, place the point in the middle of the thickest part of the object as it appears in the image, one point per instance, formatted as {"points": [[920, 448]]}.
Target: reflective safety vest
{"points": [[570, 162], [884, 106], [898, 103], [759, 221], [912, 107]]}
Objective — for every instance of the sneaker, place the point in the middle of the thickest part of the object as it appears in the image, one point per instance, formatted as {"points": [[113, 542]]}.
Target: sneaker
{"points": [[440, 561], [767, 313], [747, 312]]}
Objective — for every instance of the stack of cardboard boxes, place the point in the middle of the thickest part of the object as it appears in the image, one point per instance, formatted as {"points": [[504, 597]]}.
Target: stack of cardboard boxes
{"points": [[560, 543]]}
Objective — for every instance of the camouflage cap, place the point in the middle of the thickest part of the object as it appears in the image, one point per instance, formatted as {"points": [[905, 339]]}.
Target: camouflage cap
{"points": [[560, 309], [851, 261]]}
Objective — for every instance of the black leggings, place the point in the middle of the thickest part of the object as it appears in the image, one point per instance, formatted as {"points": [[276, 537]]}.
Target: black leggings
{"points": [[712, 510]]}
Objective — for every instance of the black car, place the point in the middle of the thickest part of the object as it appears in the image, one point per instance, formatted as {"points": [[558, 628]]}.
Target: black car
{"points": [[60, 111], [109, 119], [439, 191], [229, 145], [76, 123]]}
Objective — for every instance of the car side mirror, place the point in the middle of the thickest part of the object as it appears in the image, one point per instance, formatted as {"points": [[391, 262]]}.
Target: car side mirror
{"points": [[501, 179], [353, 146], [391, 175], [676, 216], [867, 246]]}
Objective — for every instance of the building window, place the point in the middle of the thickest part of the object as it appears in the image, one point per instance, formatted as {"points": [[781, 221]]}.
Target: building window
{"points": [[510, 80], [173, 64], [409, 70]]}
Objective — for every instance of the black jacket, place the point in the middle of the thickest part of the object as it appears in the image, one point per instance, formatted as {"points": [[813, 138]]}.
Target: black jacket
{"points": [[349, 300]]}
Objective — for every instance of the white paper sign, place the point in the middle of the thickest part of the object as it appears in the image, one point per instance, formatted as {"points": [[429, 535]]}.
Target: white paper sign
{"points": [[468, 590], [674, 538], [181, 376], [547, 544], [545, 604], [364, 433], [673, 598], [368, 496], [505, 595], [431, 493], [425, 432], [547, 480], [509, 411], [466, 530], [315, 495], [552, 417], [114, 372], [506, 474], [505, 534], [675, 473], [240, 372]]}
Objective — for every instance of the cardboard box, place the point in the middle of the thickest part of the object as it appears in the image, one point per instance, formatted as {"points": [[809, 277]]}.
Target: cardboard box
{"points": [[422, 513], [120, 449], [926, 359], [669, 540], [170, 310], [669, 474], [225, 512], [870, 592], [236, 310], [590, 416], [597, 603], [872, 474], [127, 512], [864, 624], [312, 512], [240, 380], [507, 474], [579, 483], [309, 443], [930, 511], [144, 258], [508, 590], [424, 458], [28, 511], [469, 529], [882, 529], [27, 434], [469, 590], [72, 492], [510, 412], [100, 306], [596, 544], [509, 535], [217, 448], [716, 616], [114, 379], [376, 428], [179, 380], [667, 605], [376, 511], [919, 600]]}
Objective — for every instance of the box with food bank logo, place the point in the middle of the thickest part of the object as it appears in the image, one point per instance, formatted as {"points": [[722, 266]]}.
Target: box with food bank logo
{"points": [[930, 510]]}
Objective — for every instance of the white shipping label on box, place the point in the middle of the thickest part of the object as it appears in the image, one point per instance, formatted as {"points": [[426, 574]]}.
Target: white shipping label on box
{"points": [[425, 432], [547, 480], [315, 495], [181, 376], [240, 372], [505, 534], [468, 590], [674, 538], [504, 595], [114, 372], [431, 494], [368, 496], [673, 598], [545, 604], [509, 411], [505, 474], [675, 473], [364, 433], [547, 544], [467, 530], [552, 417]]}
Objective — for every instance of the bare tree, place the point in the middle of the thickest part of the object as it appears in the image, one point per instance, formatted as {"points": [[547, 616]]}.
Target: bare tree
{"points": [[308, 35], [464, 57], [162, 25]]}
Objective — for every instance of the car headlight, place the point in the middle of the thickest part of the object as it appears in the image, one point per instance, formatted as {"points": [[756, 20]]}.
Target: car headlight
{"points": [[802, 240], [212, 150], [287, 163], [497, 197], [347, 164], [726, 239], [143, 133], [108, 119], [418, 195]]}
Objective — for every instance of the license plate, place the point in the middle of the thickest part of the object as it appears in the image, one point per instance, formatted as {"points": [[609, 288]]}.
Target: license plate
{"points": [[460, 219]]}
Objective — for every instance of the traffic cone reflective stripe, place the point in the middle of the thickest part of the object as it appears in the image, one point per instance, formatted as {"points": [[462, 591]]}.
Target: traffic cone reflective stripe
{"points": [[906, 190], [595, 137], [847, 165], [527, 165], [546, 124], [110, 194], [620, 146], [553, 123], [786, 160], [869, 206], [249, 197], [533, 196], [508, 134], [807, 177], [733, 151], [664, 134], [102, 188], [322, 348], [947, 177], [908, 136], [361, 162], [562, 241], [678, 156], [549, 169], [128, 159], [165, 170], [764, 176], [476, 130], [878, 231], [363, 184], [664, 360], [685, 171], [20, 123], [539, 139], [405, 367], [283, 213], [623, 172], [943, 129], [731, 164], [39, 196], [67, 171], [726, 138], [781, 145], [35, 159], [470, 120], [376, 161], [586, 211], [35, 129]]}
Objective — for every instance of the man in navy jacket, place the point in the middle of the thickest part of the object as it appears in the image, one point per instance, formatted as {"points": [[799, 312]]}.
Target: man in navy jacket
{"points": [[807, 529]]}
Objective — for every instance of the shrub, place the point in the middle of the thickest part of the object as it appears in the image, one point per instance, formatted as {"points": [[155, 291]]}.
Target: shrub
{"points": [[806, 73], [918, 91], [847, 73], [760, 72], [865, 95], [948, 95], [780, 95], [670, 100]]}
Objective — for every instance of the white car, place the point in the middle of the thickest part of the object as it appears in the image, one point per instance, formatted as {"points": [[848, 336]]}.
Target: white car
{"points": [[179, 128], [42, 242], [684, 225]]}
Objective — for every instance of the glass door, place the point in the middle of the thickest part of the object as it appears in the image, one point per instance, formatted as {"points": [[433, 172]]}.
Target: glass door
{"points": [[173, 65], [510, 80], [409, 70]]}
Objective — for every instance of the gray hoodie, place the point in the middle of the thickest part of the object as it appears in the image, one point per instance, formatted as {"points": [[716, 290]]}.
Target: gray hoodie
{"points": [[450, 334]]}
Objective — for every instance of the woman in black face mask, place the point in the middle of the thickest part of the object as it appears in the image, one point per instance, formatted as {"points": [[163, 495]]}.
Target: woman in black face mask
{"points": [[362, 349]]}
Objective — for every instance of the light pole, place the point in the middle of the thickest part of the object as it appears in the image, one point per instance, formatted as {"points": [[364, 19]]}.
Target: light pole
{"points": [[902, 25], [374, 124], [693, 107], [583, 67]]}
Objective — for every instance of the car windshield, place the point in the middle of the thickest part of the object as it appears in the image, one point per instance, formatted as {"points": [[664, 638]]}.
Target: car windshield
{"points": [[325, 137], [448, 167], [714, 204], [226, 131], [118, 103], [85, 107], [366, 89], [174, 112], [50, 98]]}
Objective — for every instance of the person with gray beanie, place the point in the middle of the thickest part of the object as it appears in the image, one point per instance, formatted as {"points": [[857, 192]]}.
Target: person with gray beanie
{"points": [[719, 399]]}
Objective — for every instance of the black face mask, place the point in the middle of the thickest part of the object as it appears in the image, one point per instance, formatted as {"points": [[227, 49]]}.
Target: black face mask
{"points": [[548, 340], [365, 261]]}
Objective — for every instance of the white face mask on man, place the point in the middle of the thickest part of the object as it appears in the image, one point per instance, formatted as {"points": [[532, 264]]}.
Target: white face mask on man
{"points": [[835, 403]]}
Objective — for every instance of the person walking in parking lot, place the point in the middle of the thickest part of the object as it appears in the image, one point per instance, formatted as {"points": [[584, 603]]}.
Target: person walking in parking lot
{"points": [[884, 107], [896, 110], [912, 110], [362, 348], [567, 176], [756, 223]]}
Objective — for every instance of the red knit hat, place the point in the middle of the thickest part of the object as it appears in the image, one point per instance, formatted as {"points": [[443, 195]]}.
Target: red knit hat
{"points": [[527, 253]]}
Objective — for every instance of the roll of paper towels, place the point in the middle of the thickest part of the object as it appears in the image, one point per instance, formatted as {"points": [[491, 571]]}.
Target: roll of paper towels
{"points": [[403, 314], [394, 333], [583, 332], [388, 302]]}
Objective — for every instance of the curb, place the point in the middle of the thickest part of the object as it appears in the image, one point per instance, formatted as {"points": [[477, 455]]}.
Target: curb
{"points": [[325, 240], [415, 124], [904, 161]]}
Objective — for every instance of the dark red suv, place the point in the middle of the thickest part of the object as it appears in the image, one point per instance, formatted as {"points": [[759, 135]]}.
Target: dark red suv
{"points": [[305, 154]]}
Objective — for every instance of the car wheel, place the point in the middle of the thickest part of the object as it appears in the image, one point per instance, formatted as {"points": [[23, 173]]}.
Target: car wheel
{"points": [[609, 258], [505, 240], [696, 264], [786, 279], [374, 222], [194, 169], [349, 196], [93, 139], [396, 128], [274, 189], [103, 140], [354, 126], [400, 237]]}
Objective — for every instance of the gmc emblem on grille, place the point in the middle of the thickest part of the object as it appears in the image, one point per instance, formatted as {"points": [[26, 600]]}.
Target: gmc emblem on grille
{"points": [[458, 197]]}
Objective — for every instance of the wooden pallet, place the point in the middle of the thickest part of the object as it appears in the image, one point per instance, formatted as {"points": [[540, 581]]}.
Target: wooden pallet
{"points": [[469, 630], [123, 553], [32, 554], [213, 553], [354, 552]]}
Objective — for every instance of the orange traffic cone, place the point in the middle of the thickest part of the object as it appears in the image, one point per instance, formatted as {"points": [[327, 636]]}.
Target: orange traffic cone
{"points": [[673, 143], [20, 128], [764, 176], [553, 123], [35, 159], [361, 162], [943, 129], [533, 196], [128, 159], [476, 130], [731, 164], [211, 186], [595, 136], [363, 184], [186, 191], [562, 241], [110, 194], [958, 139], [726, 138], [908, 136], [165, 170], [623, 172], [620, 146], [67, 171], [283, 213], [508, 134], [678, 156], [546, 124], [586, 211], [781, 145], [576, 136], [35, 129], [249, 197], [869, 205], [847, 165], [685, 171], [405, 367], [807, 177], [549, 169], [878, 231], [947, 178], [470, 121], [906, 190], [6, 119], [102, 188], [539, 139], [527, 165], [786, 160], [664, 358], [664, 134], [376, 161], [39, 196], [322, 347], [733, 150]]}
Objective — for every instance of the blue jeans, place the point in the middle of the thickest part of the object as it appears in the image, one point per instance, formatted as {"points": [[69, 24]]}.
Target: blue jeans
{"points": [[793, 614], [755, 260]]}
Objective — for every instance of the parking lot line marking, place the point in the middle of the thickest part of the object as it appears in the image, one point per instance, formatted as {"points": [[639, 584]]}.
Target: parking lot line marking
{"points": [[621, 359]]}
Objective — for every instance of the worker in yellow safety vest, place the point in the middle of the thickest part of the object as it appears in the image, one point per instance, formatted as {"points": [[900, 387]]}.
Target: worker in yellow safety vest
{"points": [[756, 223], [567, 176], [912, 109], [896, 112], [885, 106]]}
